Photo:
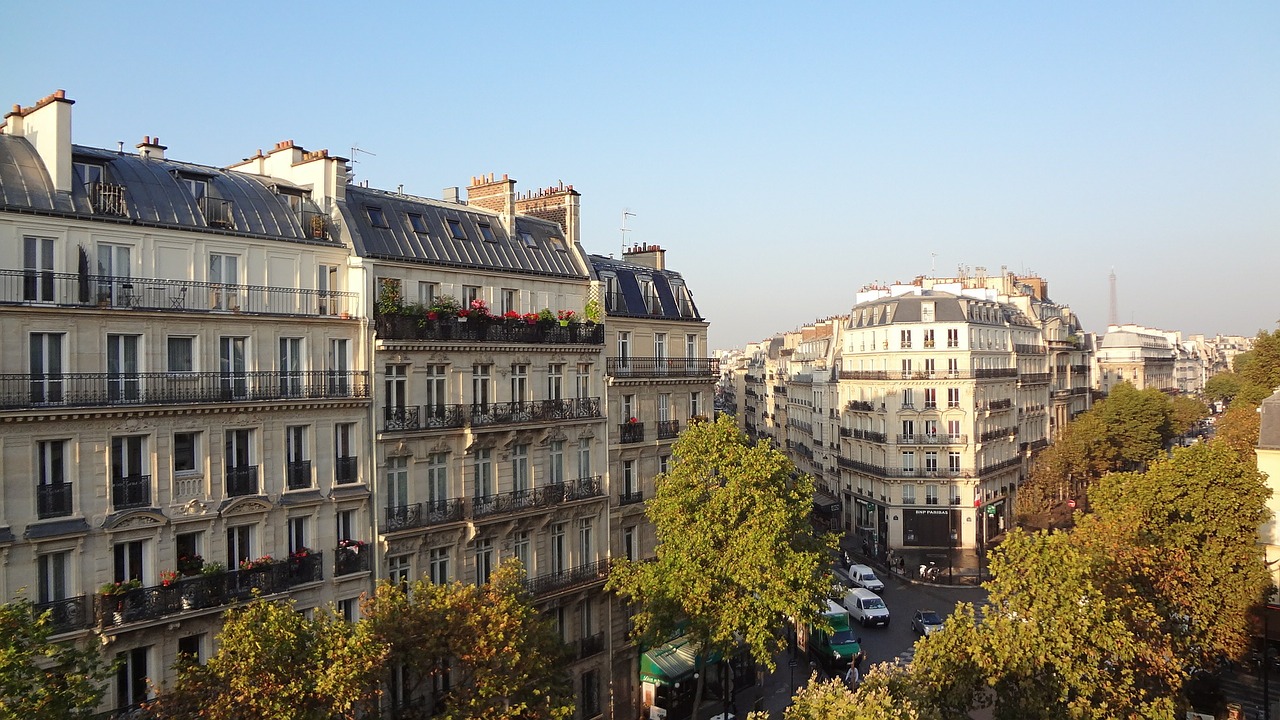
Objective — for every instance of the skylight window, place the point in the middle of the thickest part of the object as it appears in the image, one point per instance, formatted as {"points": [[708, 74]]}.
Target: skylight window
{"points": [[418, 224], [486, 232], [376, 218], [529, 242], [455, 229]]}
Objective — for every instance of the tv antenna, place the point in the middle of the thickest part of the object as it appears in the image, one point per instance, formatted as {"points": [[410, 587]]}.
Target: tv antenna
{"points": [[626, 212], [355, 148]]}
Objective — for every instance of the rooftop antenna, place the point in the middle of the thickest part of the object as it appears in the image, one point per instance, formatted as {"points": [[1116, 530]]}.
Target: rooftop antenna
{"points": [[626, 212], [355, 148]]}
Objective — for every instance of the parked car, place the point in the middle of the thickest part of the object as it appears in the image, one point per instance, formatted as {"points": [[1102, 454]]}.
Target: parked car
{"points": [[866, 607], [864, 577], [926, 622]]}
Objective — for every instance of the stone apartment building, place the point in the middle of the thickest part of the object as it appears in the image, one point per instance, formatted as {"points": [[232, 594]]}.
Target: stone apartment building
{"points": [[235, 363], [1141, 356]]}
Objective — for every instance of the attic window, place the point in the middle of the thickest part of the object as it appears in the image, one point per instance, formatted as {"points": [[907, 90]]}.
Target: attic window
{"points": [[455, 229], [292, 199], [376, 218], [198, 187], [418, 224], [486, 232], [529, 242]]}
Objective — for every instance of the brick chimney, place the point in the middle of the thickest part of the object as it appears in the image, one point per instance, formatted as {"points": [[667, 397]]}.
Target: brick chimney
{"points": [[648, 255], [495, 195], [558, 204], [150, 148], [47, 126]]}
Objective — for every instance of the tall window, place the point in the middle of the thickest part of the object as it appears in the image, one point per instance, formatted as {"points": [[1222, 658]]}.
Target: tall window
{"points": [[427, 293], [224, 279], [584, 457], [510, 300], [629, 542], [691, 346], [908, 398], [520, 467], [46, 367], [928, 338], [931, 461], [232, 354], [583, 380], [628, 407], [558, 550], [239, 545], [908, 494], [113, 272], [131, 677], [123, 383], [906, 367], [345, 463], [590, 693], [555, 461], [297, 464], [181, 353], [953, 397], [905, 341], [659, 347], [520, 549], [298, 533], [624, 348], [586, 541], [291, 367], [480, 382], [397, 482], [339, 366], [930, 494], [695, 404], [130, 475], [54, 570], [396, 389], [53, 492], [37, 265], [930, 398], [555, 381], [664, 407], [930, 366], [909, 461], [437, 479], [519, 383], [345, 525], [953, 462], [953, 367], [953, 338], [484, 560], [482, 473], [909, 430], [438, 565], [326, 284], [953, 430], [237, 462], [399, 570], [629, 478]]}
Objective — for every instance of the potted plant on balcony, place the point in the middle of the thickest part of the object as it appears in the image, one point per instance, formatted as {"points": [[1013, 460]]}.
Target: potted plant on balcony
{"points": [[169, 578], [566, 317], [190, 564], [113, 594], [317, 226], [257, 563], [593, 312]]}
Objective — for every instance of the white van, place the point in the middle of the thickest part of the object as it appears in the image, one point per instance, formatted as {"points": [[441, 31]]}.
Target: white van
{"points": [[864, 577], [866, 607]]}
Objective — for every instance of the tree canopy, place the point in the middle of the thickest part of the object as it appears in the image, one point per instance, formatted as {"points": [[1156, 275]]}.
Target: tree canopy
{"points": [[40, 678], [501, 658], [736, 551], [274, 663]]}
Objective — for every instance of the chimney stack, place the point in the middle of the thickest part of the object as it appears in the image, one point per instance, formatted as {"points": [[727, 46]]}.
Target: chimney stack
{"points": [[559, 204], [47, 126], [652, 256], [495, 195], [150, 148]]}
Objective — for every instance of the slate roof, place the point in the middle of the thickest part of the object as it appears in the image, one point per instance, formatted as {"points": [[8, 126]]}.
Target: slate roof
{"points": [[665, 287], [155, 193], [539, 246], [946, 308]]}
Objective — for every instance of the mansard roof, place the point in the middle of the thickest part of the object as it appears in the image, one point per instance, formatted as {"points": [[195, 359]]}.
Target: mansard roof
{"points": [[667, 286], [947, 308]]}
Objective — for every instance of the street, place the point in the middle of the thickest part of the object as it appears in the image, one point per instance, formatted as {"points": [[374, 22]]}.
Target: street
{"points": [[903, 597]]}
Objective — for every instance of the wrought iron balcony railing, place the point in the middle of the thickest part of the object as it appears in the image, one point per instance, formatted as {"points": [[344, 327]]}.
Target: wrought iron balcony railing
{"points": [[346, 470], [415, 515], [242, 481], [516, 501], [351, 559], [912, 472], [437, 417], [631, 498], [495, 330], [1002, 465], [206, 591], [631, 432], [53, 500], [35, 390], [133, 491], [574, 577], [664, 367], [163, 295], [1034, 378], [980, 374], [298, 475], [217, 212], [404, 517], [590, 645], [938, 439], [67, 614], [668, 429]]}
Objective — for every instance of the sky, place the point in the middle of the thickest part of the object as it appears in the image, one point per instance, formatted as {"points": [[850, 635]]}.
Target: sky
{"points": [[784, 154]]}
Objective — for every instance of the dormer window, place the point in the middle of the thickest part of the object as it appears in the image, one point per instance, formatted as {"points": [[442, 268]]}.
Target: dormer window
{"points": [[418, 223], [528, 240], [376, 218], [105, 198], [89, 172], [293, 200], [486, 232], [455, 229], [198, 187]]}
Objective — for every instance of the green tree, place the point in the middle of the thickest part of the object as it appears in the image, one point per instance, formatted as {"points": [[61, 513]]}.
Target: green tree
{"points": [[44, 679], [503, 660], [831, 700], [1187, 544], [1137, 424], [274, 663], [1184, 412], [1224, 386], [1237, 428], [1259, 369], [736, 552]]}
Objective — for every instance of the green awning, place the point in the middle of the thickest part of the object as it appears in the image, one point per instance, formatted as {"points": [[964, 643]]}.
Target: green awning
{"points": [[672, 663]]}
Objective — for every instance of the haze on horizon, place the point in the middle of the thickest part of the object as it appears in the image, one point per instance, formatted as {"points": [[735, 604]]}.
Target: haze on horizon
{"points": [[785, 156]]}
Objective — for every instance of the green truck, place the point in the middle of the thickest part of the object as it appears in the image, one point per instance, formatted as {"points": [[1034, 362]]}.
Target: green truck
{"points": [[837, 649]]}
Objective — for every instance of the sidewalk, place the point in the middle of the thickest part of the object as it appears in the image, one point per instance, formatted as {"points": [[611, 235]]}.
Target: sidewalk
{"points": [[960, 568]]}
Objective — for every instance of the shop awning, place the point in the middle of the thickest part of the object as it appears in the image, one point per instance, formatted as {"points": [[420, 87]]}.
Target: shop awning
{"points": [[823, 502], [672, 663]]}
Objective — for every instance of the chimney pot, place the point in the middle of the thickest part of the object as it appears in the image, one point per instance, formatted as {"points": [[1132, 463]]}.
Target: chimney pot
{"points": [[60, 94], [146, 139]]}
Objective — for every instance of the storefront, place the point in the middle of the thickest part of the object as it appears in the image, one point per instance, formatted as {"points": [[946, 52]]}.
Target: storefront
{"points": [[826, 510], [930, 527]]}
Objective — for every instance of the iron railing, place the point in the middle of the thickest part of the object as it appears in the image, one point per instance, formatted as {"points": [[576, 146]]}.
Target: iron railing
{"points": [[631, 432], [998, 434], [1033, 378], [217, 212], [1002, 465], [346, 470], [980, 374], [415, 515], [668, 429], [107, 198], [132, 491], [574, 577], [516, 501], [298, 474], [590, 645], [31, 390], [164, 295], [351, 560], [497, 330], [938, 439], [53, 500], [891, 472], [242, 480], [631, 498], [655, 367], [534, 411], [206, 591], [861, 406], [66, 614], [404, 517]]}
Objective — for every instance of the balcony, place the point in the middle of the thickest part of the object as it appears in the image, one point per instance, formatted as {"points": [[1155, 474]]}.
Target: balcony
{"points": [[938, 439], [1034, 378], [861, 406], [631, 432], [891, 472], [346, 470], [668, 429], [107, 198], [631, 498], [242, 481], [554, 582], [504, 413], [41, 390], [664, 367], [495, 330], [590, 645], [998, 434], [1003, 465], [352, 557], [53, 500], [133, 491], [26, 287], [516, 501], [298, 475], [993, 405], [416, 515], [206, 591], [67, 614], [1022, 349], [216, 212]]}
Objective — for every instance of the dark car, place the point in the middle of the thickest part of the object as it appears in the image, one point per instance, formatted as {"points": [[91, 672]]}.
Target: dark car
{"points": [[926, 622]]}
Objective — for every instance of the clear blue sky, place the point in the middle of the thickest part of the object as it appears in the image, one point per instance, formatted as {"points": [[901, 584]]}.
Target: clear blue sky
{"points": [[785, 153]]}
